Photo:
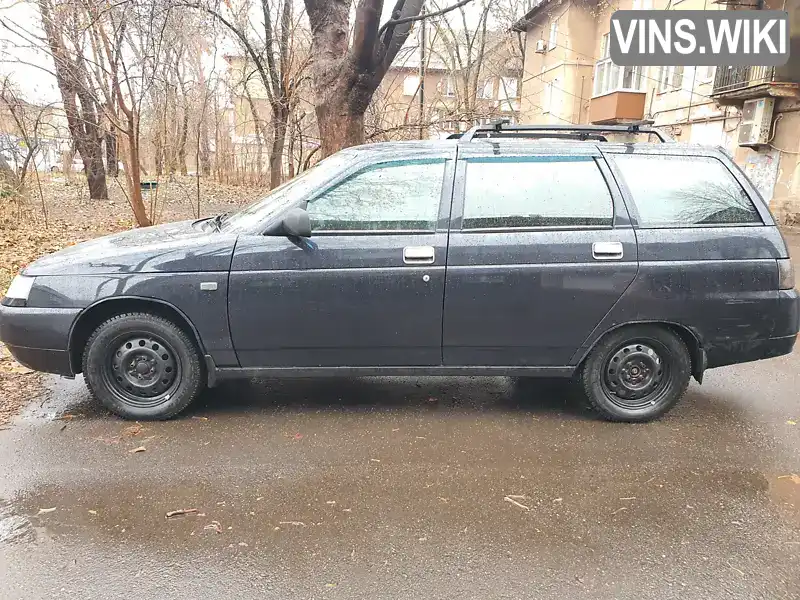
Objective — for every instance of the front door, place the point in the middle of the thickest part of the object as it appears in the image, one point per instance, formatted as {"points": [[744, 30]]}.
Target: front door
{"points": [[366, 289], [541, 248]]}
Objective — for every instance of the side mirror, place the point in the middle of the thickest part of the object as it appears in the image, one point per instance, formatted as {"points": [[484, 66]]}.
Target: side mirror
{"points": [[295, 223]]}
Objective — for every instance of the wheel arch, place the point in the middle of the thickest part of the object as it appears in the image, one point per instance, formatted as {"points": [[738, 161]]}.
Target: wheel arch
{"points": [[688, 335], [92, 316]]}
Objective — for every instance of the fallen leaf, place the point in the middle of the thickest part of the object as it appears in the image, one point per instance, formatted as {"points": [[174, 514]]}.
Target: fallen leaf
{"points": [[181, 511], [793, 478], [133, 430], [515, 503], [137, 450], [330, 585], [215, 526], [791, 422], [44, 511]]}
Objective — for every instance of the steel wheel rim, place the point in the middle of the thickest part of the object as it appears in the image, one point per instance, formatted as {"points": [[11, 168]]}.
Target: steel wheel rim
{"points": [[142, 370], [636, 374]]}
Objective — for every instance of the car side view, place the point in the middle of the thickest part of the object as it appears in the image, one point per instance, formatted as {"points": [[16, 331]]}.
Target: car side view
{"points": [[530, 251]]}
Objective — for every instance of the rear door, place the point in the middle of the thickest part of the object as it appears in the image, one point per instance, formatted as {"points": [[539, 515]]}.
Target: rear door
{"points": [[541, 247]]}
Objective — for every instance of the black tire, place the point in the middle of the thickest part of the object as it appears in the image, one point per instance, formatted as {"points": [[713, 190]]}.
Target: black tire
{"points": [[143, 367], [636, 373]]}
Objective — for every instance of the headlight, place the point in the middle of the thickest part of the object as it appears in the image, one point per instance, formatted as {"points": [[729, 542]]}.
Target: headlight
{"points": [[18, 291]]}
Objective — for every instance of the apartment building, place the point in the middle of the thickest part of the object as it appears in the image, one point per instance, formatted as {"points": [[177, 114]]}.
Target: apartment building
{"points": [[752, 112], [450, 93]]}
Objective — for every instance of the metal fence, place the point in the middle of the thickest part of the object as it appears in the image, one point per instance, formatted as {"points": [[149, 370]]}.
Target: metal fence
{"points": [[728, 79]]}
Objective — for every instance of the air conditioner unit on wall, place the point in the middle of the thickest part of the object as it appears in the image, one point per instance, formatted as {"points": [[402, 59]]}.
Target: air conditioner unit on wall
{"points": [[541, 46], [754, 130]]}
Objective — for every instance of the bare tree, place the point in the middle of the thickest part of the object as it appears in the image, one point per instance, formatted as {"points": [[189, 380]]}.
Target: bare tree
{"points": [[65, 39], [346, 75], [271, 50]]}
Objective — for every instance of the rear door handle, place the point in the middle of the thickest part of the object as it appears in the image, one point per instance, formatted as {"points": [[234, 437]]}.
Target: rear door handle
{"points": [[419, 255], [607, 250]]}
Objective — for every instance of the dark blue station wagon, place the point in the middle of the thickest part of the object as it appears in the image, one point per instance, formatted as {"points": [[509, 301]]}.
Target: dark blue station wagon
{"points": [[630, 267]]}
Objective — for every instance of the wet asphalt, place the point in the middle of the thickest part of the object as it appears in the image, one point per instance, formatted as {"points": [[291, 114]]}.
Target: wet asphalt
{"points": [[396, 488], [408, 488]]}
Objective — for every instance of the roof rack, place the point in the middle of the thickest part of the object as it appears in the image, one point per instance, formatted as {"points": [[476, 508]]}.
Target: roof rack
{"points": [[502, 127]]}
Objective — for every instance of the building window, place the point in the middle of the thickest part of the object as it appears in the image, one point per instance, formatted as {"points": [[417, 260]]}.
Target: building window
{"points": [[706, 73], [487, 93], [450, 87], [609, 77], [604, 46], [410, 85], [508, 88], [552, 42], [670, 78], [550, 97]]}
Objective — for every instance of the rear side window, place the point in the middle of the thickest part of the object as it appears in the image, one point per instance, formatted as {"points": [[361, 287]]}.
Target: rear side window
{"points": [[684, 191], [536, 192]]}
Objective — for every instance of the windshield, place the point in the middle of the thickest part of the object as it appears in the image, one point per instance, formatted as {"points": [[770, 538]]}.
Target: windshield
{"points": [[261, 210]]}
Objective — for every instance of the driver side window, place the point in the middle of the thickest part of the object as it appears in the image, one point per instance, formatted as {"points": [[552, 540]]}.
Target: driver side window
{"points": [[395, 196]]}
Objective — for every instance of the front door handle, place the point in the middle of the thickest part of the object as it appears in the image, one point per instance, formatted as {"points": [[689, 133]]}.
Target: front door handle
{"points": [[419, 255], [607, 250]]}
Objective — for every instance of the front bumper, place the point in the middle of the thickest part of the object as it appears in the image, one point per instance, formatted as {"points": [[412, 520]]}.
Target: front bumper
{"points": [[39, 337]]}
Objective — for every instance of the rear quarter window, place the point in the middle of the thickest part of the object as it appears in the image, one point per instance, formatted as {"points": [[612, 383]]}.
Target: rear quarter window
{"points": [[684, 191]]}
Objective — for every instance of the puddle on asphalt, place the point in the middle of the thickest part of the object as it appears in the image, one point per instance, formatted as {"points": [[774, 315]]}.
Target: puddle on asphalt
{"points": [[784, 490], [14, 528]]}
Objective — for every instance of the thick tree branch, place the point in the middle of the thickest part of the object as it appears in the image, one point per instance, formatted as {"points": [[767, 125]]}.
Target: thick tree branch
{"points": [[365, 34], [268, 42], [418, 17]]}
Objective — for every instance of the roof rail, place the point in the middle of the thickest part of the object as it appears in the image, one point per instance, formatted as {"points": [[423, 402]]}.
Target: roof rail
{"points": [[502, 127]]}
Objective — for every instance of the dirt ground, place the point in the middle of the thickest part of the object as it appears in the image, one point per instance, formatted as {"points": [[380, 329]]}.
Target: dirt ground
{"points": [[31, 227]]}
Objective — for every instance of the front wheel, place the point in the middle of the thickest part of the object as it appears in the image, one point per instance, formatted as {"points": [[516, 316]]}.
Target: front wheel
{"points": [[636, 374], [141, 366]]}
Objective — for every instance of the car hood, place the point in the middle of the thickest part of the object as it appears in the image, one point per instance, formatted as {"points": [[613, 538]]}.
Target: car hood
{"points": [[174, 247]]}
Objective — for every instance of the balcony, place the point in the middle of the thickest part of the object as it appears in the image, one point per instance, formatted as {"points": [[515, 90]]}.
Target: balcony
{"points": [[734, 85], [618, 94]]}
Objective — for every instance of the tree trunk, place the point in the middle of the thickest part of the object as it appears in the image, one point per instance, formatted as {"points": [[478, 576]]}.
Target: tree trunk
{"points": [[340, 126], [134, 177], [93, 167], [112, 160], [182, 140], [280, 118], [82, 119], [204, 155]]}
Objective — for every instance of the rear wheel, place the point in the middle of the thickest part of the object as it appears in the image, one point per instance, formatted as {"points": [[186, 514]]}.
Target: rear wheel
{"points": [[636, 373], [141, 366]]}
